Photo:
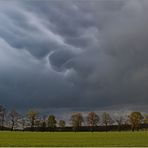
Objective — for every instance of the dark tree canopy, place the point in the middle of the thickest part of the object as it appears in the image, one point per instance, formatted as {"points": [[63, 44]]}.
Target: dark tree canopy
{"points": [[2, 116]]}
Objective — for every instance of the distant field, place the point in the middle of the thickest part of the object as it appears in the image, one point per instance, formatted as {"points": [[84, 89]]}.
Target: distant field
{"points": [[85, 139]]}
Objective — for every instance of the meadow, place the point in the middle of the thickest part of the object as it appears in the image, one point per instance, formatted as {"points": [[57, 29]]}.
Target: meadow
{"points": [[75, 139]]}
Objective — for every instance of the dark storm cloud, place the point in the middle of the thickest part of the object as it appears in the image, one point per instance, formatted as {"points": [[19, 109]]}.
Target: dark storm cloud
{"points": [[76, 53]]}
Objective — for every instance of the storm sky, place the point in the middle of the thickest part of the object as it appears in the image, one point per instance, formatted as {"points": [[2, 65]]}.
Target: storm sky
{"points": [[73, 53]]}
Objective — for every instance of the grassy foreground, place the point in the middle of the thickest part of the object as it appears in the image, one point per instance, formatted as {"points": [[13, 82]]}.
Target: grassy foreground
{"points": [[85, 139]]}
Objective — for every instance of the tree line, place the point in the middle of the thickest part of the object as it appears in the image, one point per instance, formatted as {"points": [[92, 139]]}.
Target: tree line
{"points": [[33, 121]]}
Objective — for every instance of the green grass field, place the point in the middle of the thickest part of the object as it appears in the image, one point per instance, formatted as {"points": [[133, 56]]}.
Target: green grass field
{"points": [[85, 139]]}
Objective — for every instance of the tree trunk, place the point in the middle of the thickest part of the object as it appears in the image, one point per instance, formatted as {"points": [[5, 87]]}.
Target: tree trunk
{"points": [[12, 126], [106, 127], [32, 125]]}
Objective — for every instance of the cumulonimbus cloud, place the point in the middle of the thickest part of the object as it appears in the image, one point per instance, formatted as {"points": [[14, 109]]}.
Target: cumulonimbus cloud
{"points": [[73, 54]]}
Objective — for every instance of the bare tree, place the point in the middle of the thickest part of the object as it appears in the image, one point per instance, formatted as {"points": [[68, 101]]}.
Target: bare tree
{"points": [[76, 121], [23, 122], [14, 118], [119, 121], [32, 116], [106, 120], [43, 123], [92, 120], [38, 123], [135, 119]]}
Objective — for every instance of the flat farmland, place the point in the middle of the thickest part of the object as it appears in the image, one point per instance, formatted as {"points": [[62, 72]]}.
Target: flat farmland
{"points": [[73, 139]]}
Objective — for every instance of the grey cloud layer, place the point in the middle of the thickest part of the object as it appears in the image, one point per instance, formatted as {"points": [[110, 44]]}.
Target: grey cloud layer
{"points": [[73, 53]]}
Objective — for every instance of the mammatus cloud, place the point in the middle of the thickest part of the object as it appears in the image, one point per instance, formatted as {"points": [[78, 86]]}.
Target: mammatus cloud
{"points": [[71, 54]]}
